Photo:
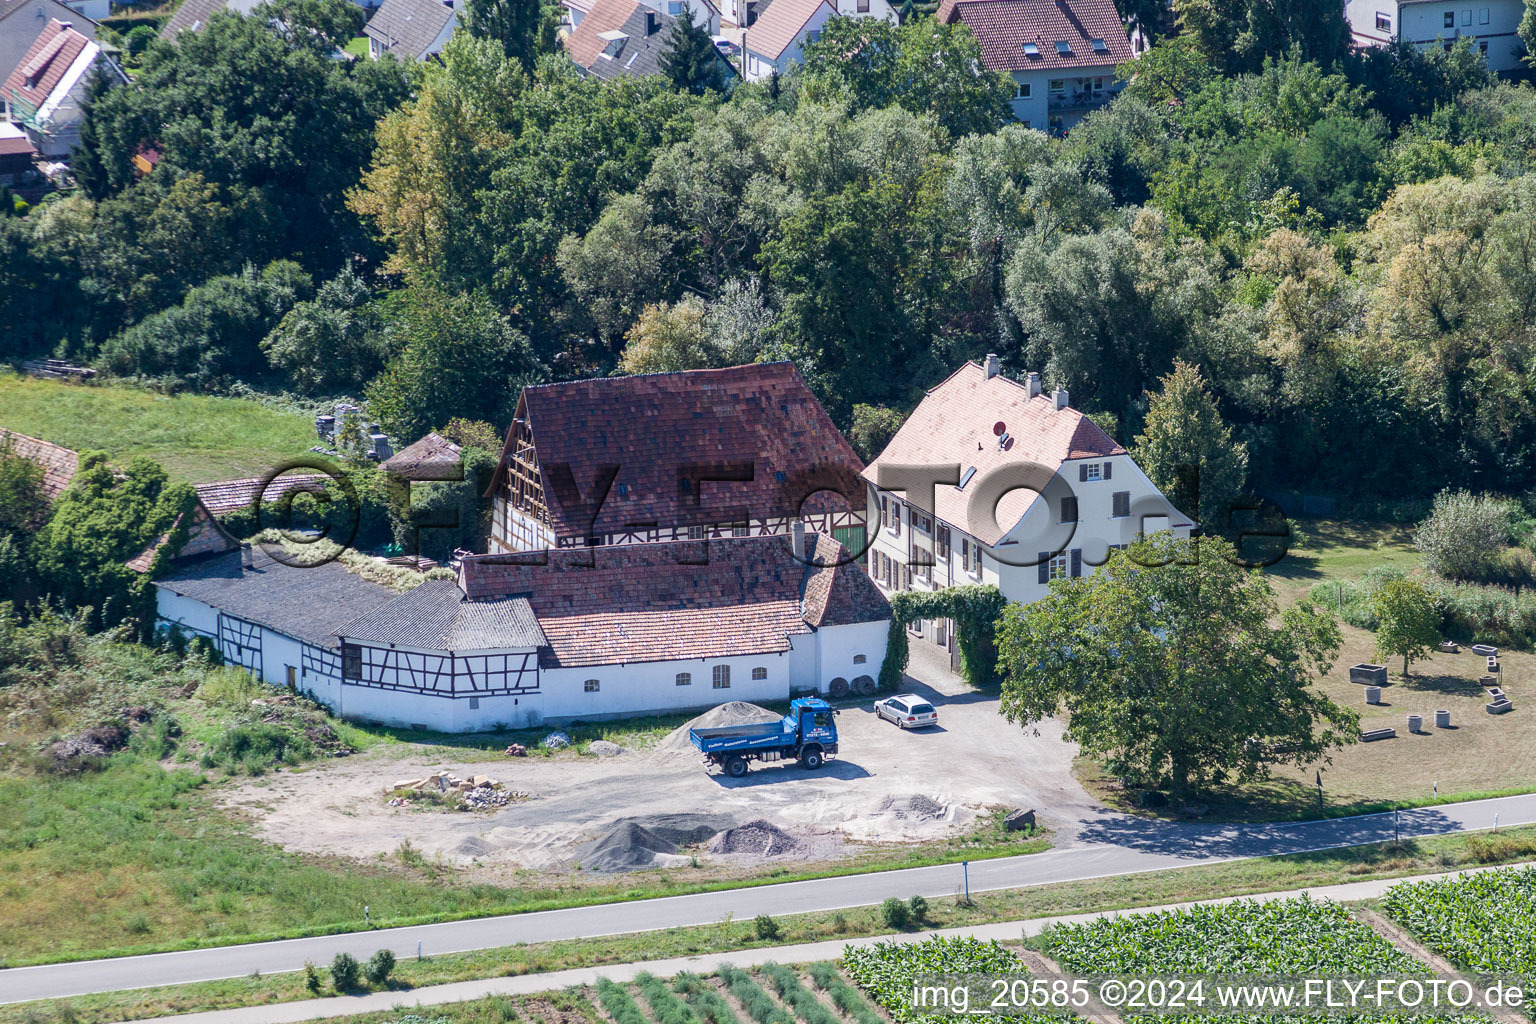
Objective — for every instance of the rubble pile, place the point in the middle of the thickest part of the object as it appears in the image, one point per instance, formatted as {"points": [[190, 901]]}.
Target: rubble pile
{"points": [[476, 793], [761, 837]]}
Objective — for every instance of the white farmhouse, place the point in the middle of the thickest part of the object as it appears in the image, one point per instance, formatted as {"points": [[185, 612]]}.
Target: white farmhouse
{"points": [[997, 520], [520, 639], [1492, 24]]}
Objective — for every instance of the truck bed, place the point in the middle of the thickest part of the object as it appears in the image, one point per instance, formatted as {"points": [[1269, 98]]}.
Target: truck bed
{"points": [[744, 737]]}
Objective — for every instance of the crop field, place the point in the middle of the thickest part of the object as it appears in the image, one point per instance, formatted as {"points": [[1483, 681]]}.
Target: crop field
{"points": [[1297, 936], [887, 970], [773, 994], [1483, 923]]}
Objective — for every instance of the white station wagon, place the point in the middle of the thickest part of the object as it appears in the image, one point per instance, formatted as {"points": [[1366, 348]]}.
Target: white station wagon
{"points": [[907, 710]]}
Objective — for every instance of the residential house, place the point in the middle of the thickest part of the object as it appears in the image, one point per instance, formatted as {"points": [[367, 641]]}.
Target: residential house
{"points": [[627, 37], [194, 15], [21, 21], [705, 13], [1491, 24], [45, 95], [779, 33], [1061, 54], [517, 640], [16, 153], [1037, 491], [737, 452], [410, 29]]}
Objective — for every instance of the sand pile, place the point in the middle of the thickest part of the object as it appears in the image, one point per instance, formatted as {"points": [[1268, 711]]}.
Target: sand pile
{"points": [[625, 847], [759, 837], [737, 712], [913, 808]]}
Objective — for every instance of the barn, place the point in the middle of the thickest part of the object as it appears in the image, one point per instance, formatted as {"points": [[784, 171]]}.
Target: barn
{"points": [[521, 639]]}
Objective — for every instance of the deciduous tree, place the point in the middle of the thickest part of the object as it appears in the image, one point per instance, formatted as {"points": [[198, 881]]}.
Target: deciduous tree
{"points": [[1407, 623], [1179, 672], [1189, 452]]}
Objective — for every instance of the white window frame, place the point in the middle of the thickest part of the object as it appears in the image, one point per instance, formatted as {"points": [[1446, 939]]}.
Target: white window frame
{"points": [[1059, 567], [1095, 472]]}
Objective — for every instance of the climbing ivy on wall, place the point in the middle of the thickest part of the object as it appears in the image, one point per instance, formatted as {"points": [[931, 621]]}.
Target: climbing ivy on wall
{"points": [[975, 611]]}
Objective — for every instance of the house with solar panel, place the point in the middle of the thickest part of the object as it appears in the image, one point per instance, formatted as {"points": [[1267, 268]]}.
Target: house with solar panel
{"points": [[1023, 489], [1061, 54]]}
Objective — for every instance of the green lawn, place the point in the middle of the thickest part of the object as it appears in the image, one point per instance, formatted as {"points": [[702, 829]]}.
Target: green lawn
{"points": [[195, 437], [1337, 549], [358, 47]]}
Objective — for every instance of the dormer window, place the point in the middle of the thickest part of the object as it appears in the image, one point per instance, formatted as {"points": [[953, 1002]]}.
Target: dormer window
{"points": [[613, 43]]}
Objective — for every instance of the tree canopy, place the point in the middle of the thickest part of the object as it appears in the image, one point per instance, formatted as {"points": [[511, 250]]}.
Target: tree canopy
{"points": [[1176, 668]]}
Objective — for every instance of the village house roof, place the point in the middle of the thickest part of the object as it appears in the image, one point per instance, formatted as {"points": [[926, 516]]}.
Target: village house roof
{"points": [[59, 463], [194, 15], [954, 423], [1059, 35], [434, 457], [225, 496], [51, 64], [659, 427], [620, 37], [204, 537], [675, 601], [435, 616], [408, 27], [779, 24], [308, 603]]}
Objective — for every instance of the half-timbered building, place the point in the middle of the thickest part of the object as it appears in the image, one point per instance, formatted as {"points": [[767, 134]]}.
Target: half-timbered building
{"points": [[704, 454], [520, 639]]}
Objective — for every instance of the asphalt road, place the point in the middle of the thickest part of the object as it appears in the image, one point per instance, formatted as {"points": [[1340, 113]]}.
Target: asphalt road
{"points": [[1109, 845]]}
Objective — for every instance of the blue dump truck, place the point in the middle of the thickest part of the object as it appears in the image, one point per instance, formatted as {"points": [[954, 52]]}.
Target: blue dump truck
{"points": [[807, 734]]}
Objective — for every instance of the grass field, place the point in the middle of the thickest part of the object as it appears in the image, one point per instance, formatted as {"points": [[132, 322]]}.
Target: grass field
{"points": [[195, 437], [1237, 878], [1481, 755]]}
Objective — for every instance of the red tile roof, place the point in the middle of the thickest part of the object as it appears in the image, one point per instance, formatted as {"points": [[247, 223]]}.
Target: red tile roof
{"points": [[771, 34], [45, 64], [954, 423], [582, 44], [1002, 27], [225, 496], [59, 463], [653, 426], [643, 602]]}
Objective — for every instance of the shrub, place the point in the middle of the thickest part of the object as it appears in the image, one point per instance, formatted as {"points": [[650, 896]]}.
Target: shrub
{"points": [[1464, 535], [766, 927], [896, 913], [379, 968], [344, 972], [311, 977], [919, 908], [256, 748]]}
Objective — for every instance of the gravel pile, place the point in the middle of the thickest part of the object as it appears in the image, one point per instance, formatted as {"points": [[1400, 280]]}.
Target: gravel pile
{"points": [[737, 712], [913, 808], [624, 847], [683, 829], [759, 837], [604, 748]]}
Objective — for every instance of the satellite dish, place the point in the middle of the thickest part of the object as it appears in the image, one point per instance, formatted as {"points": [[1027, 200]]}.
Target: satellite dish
{"points": [[999, 428]]}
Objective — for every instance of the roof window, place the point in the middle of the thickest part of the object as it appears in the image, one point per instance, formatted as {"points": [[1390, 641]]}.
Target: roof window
{"points": [[1063, 48], [1099, 46], [1031, 50]]}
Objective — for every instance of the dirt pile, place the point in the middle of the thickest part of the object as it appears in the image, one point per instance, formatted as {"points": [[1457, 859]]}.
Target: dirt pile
{"points": [[625, 847], [760, 837], [736, 712]]}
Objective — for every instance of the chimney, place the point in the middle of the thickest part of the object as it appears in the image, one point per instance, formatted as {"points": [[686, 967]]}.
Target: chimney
{"points": [[1033, 382], [650, 23], [1062, 398], [991, 364], [247, 556], [797, 538]]}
